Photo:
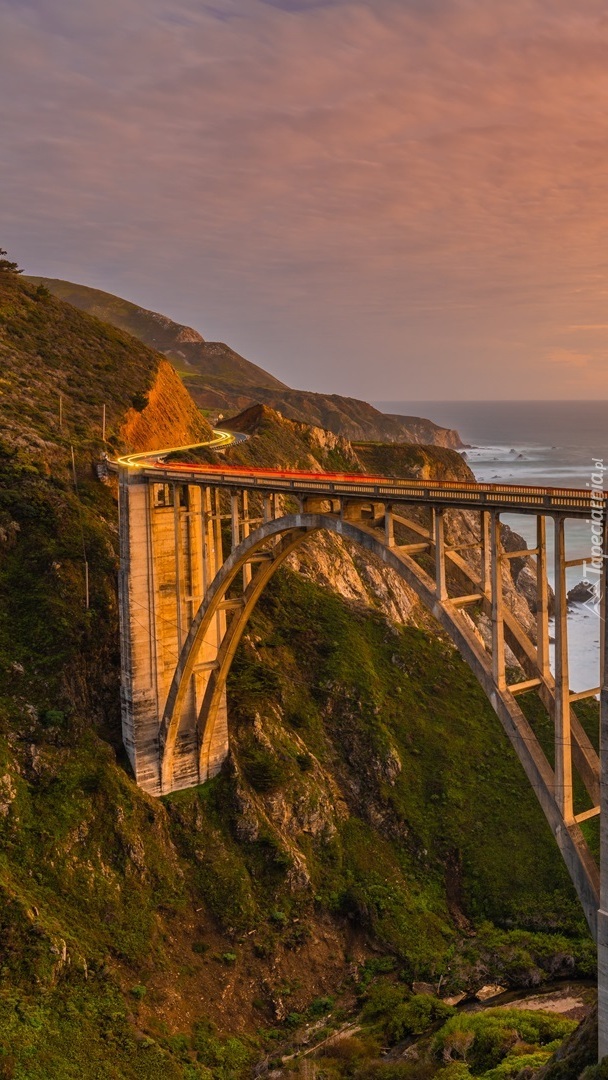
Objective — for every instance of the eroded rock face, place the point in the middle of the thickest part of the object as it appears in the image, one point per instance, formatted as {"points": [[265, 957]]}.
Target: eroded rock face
{"points": [[8, 793], [359, 578], [169, 418]]}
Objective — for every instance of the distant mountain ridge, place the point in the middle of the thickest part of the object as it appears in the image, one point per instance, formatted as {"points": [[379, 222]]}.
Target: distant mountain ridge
{"points": [[221, 380], [183, 345]]}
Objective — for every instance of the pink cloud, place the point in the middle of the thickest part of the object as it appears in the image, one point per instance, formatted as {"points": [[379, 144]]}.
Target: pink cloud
{"points": [[379, 198]]}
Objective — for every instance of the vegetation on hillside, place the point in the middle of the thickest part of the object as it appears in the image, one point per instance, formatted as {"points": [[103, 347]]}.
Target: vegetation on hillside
{"points": [[58, 368], [221, 380]]}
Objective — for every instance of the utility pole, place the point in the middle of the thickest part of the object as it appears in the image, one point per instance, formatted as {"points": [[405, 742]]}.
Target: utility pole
{"points": [[103, 423], [60, 412], [84, 548]]}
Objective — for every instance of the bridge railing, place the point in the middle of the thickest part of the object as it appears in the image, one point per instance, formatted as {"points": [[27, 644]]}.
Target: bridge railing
{"points": [[513, 497]]}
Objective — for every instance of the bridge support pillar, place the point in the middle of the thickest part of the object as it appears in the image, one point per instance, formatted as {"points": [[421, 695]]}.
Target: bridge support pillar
{"points": [[563, 739], [389, 526], [168, 557], [212, 561], [350, 509], [137, 611], [542, 599], [439, 538], [234, 517], [486, 556], [498, 626], [602, 979]]}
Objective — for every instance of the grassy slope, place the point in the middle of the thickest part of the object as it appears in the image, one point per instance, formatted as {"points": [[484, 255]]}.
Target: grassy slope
{"points": [[372, 805], [185, 347]]}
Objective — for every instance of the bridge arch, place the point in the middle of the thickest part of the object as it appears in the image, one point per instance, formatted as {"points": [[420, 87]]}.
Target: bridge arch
{"points": [[270, 545]]}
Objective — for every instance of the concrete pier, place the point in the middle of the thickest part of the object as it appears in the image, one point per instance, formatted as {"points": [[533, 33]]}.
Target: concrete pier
{"points": [[169, 554]]}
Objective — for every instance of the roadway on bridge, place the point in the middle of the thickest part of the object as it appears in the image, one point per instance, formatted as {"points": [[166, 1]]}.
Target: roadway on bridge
{"points": [[505, 498]]}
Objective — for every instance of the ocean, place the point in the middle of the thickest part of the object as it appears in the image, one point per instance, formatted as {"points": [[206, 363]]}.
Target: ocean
{"points": [[551, 443]]}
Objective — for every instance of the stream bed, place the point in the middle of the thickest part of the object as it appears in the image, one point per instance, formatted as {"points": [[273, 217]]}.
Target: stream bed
{"points": [[571, 998]]}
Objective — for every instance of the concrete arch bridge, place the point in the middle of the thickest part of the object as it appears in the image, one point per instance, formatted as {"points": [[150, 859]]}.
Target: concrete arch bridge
{"points": [[199, 544]]}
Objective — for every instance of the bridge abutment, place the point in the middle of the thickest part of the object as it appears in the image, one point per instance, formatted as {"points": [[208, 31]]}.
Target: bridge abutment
{"points": [[168, 557], [137, 608]]}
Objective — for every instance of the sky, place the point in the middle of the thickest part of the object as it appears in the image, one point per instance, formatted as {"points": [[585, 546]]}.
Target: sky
{"points": [[399, 200]]}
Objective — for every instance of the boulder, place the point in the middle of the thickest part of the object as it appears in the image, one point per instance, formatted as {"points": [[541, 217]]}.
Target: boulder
{"points": [[454, 999], [488, 992], [581, 593]]}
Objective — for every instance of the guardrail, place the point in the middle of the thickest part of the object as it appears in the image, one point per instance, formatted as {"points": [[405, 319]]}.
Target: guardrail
{"points": [[462, 494]]}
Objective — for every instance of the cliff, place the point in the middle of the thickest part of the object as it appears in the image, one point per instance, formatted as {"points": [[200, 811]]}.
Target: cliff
{"points": [[345, 416], [168, 417], [220, 380], [372, 827]]}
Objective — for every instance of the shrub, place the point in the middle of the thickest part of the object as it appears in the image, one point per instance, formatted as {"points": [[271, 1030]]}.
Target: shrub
{"points": [[596, 1072], [226, 1056], [139, 401], [320, 1006], [382, 1000], [262, 769], [514, 1063], [457, 1070], [484, 1039], [415, 1016]]}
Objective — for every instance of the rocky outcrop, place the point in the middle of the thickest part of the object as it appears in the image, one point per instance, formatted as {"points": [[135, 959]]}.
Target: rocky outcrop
{"points": [[173, 333], [581, 592], [419, 461], [350, 417], [166, 416], [362, 580]]}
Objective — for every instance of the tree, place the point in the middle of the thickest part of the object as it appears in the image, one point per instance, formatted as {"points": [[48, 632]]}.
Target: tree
{"points": [[6, 266]]}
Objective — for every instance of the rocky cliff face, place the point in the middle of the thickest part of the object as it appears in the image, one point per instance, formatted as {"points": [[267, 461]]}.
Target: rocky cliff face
{"points": [[166, 415]]}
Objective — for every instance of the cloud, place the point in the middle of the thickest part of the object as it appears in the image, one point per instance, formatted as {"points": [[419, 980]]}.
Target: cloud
{"points": [[576, 327], [375, 198], [569, 357]]}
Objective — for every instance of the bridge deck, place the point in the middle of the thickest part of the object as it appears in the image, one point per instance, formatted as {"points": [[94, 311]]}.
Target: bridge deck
{"points": [[508, 498]]}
